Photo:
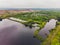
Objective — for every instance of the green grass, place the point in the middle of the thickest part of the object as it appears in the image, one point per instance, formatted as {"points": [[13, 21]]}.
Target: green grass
{"points": [[53, 38], [37, 36]]}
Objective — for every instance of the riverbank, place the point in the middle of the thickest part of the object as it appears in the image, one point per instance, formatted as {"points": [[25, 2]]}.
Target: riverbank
{"points": [[35, 32], [24, 37], [16, 19], [53, 38]]}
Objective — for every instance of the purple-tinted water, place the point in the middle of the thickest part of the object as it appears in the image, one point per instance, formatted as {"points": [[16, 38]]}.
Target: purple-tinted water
{"points": [[44, 32], [14, 33]]}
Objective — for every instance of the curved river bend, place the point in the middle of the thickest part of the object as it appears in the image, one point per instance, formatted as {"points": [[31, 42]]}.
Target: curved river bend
{"points": [[14, 33]]}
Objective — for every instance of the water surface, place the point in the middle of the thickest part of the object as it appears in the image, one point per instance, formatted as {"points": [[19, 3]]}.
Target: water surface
{"points": [[44, 32], [14, 33]]}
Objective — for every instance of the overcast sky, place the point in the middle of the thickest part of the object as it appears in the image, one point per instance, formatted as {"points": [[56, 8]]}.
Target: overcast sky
{"points": [[29, 3]]}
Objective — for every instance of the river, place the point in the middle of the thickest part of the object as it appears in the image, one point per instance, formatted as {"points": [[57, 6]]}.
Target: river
{"points": [[44, 32], [14, 33]]}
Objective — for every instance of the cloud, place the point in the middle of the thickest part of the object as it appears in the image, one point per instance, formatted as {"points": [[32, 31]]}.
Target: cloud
{"points": [[29, 3]]}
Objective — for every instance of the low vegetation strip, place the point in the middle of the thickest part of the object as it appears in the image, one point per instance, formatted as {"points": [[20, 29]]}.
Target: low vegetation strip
{"points": [[12, 18], [53, 38]]}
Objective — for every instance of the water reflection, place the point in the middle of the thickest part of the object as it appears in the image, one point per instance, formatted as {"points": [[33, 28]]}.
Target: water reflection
{"points": [[14, 33], [49, 25]]}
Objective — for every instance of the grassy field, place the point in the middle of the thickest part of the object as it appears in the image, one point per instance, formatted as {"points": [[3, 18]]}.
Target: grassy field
{"points": [[53, 38]]}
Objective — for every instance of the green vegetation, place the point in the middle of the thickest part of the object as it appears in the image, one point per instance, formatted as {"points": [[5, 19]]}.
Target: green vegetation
{"points": [[53, 38], [40, 18], [37, 36]]}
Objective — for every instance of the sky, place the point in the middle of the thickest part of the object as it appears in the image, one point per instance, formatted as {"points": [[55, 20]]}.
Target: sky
{"points": [[29, 3]]}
